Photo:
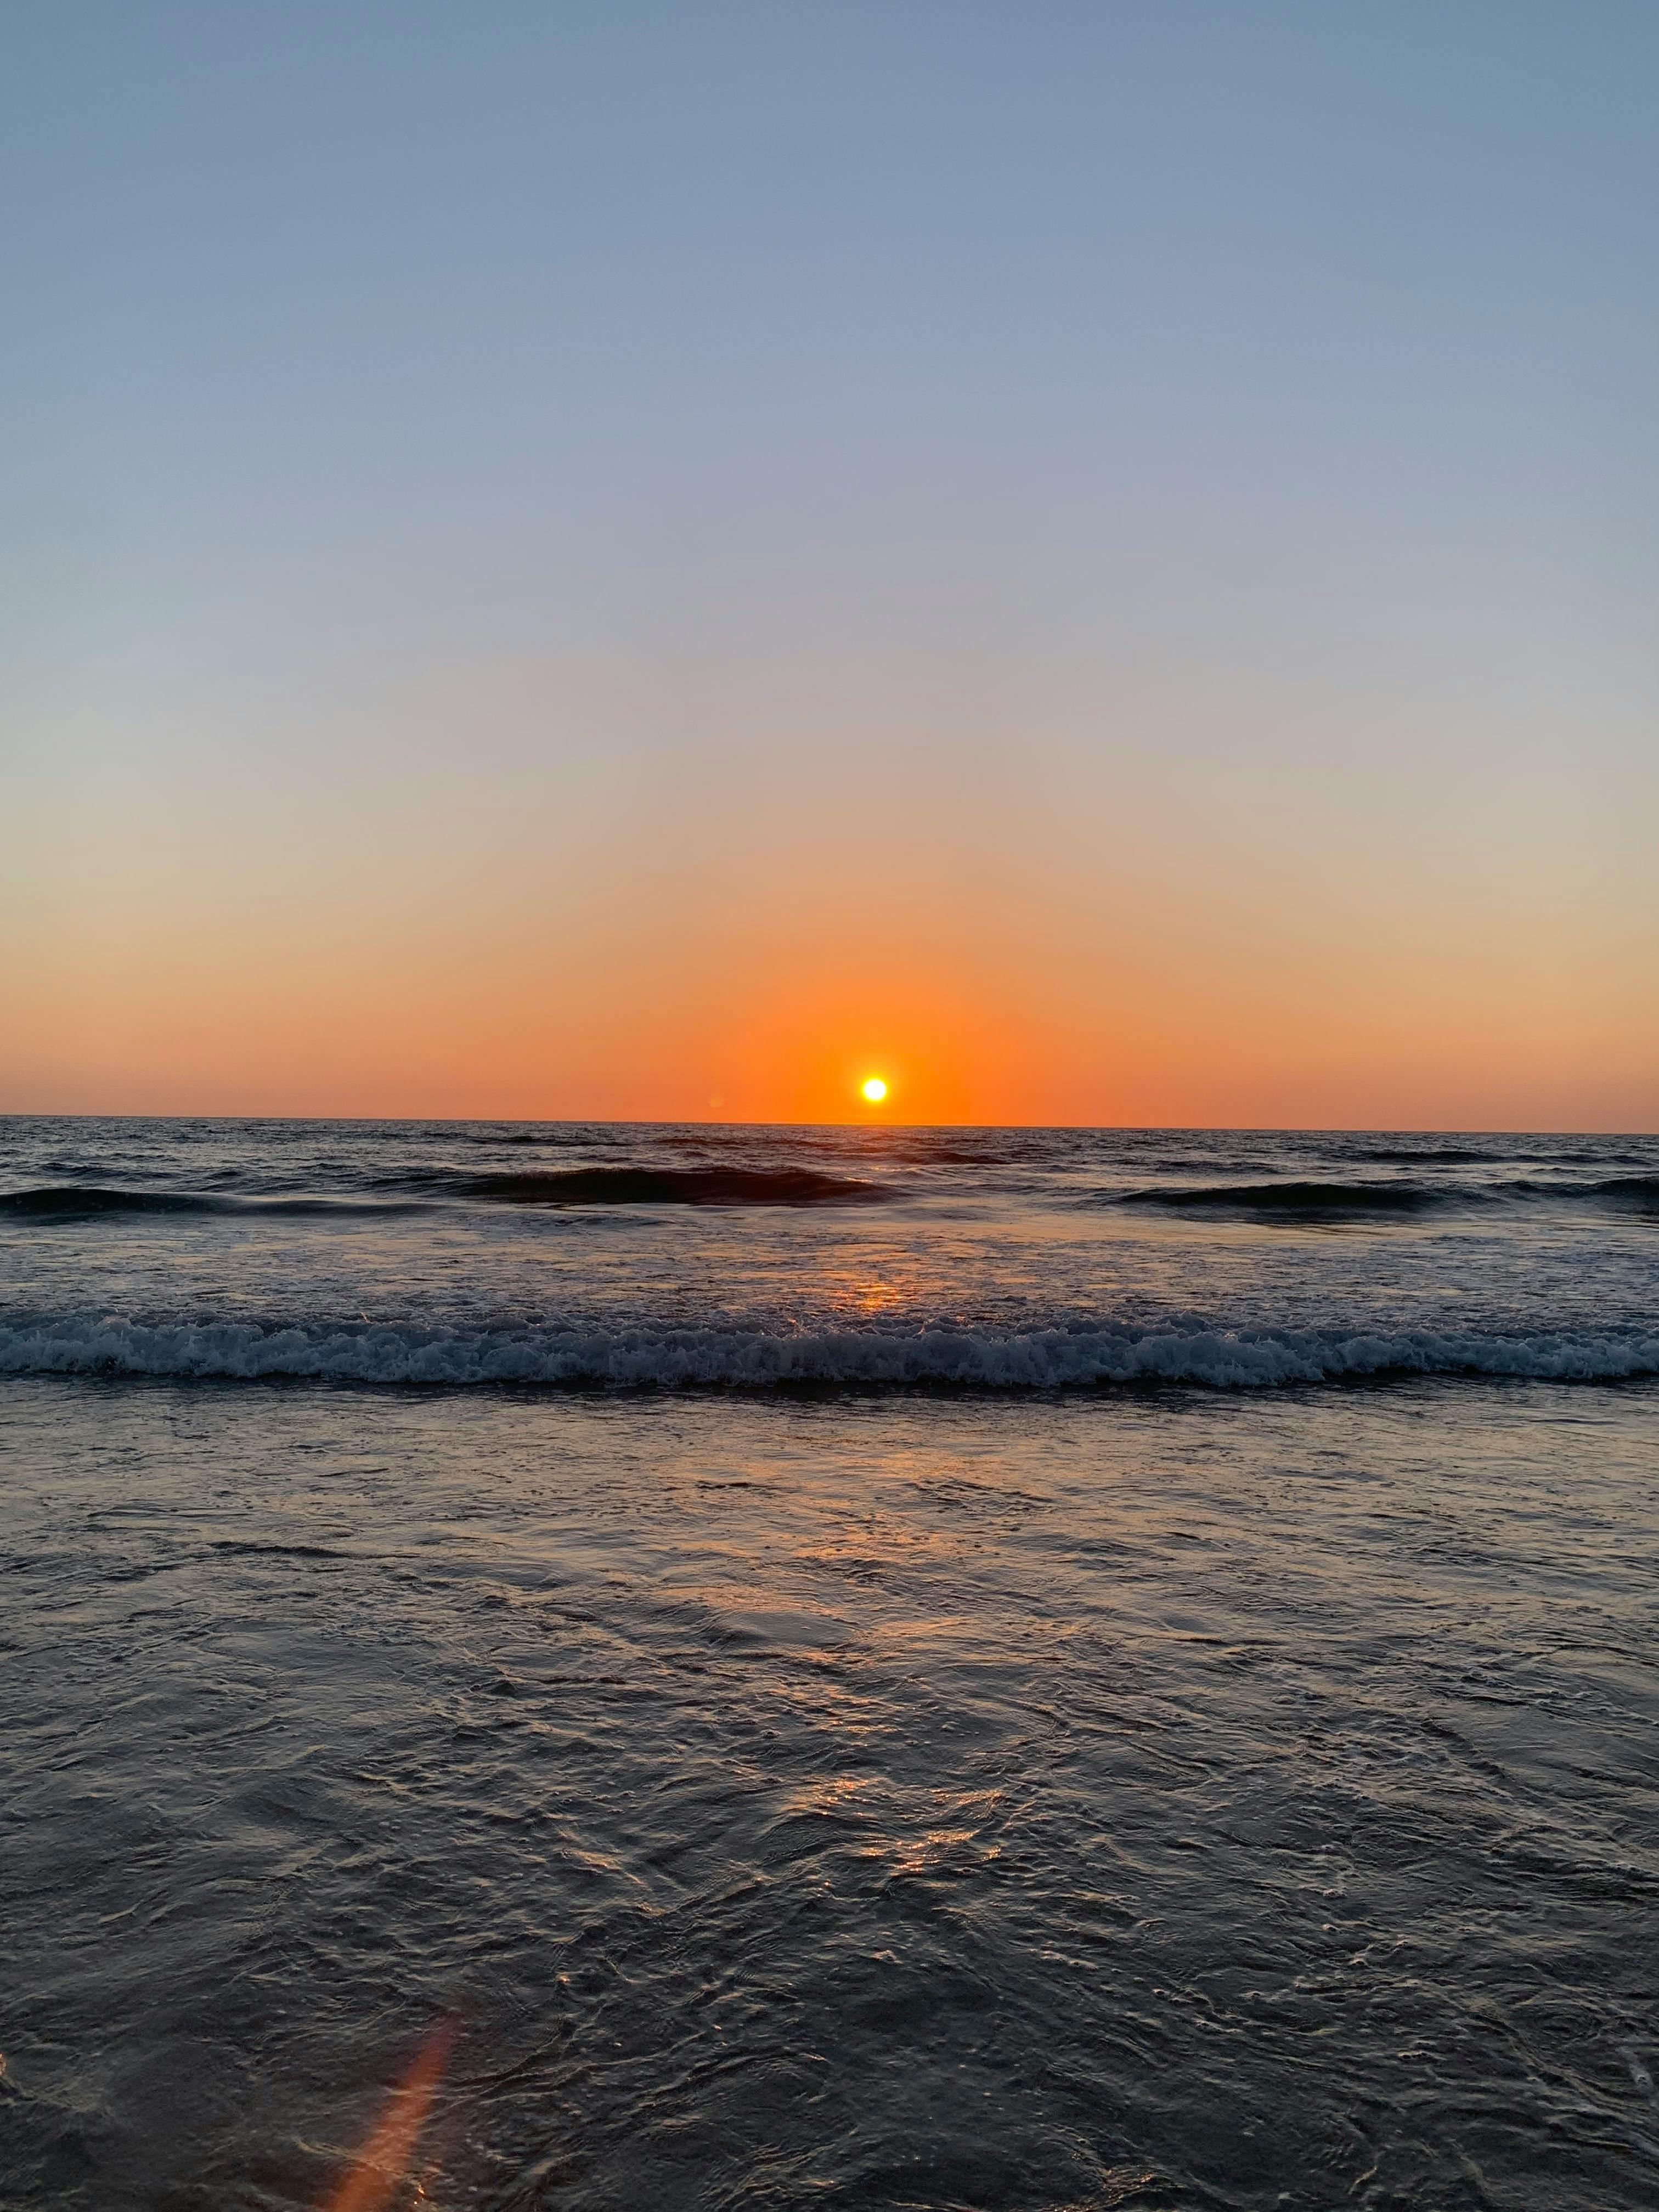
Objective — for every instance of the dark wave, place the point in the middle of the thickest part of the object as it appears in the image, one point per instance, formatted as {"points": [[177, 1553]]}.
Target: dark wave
{"points": [[1296, 1198], [557, 1140], [1431, 1155], [954, 1156], [667, 1187], [82, 1201], [1641, 1191], [1203, 1164], [60, 1201], [1471, 1156]]}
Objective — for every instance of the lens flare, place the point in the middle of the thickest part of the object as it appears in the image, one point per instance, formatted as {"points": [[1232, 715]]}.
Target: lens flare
{"points": [[873, 1089], [386, 2157]]}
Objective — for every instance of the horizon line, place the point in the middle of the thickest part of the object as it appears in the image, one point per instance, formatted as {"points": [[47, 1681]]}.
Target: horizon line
{"points": [[871, 1122]]}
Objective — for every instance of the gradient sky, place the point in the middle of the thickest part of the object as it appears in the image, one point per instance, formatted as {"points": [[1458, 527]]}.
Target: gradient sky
{"points": [[647, 561]]}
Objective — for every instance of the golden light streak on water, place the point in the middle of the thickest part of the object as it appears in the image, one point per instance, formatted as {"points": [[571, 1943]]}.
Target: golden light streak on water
{"points": [[386, 2156]]}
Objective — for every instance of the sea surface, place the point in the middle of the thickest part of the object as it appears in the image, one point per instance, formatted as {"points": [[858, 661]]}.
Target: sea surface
{"points": [[973, 1670]]}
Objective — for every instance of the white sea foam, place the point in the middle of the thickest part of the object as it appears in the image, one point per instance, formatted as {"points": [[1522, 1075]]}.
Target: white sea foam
{"points": [[669, 1359]]}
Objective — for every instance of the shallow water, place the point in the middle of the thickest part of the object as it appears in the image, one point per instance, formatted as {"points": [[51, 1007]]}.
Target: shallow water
{"points": [[462, 1253], [973, 1670], [1194, 1799]]}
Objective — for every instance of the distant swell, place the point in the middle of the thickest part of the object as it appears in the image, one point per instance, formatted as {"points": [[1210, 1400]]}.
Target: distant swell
{"points": [[659, 1358], [1297, 1197], [666, 1186]]}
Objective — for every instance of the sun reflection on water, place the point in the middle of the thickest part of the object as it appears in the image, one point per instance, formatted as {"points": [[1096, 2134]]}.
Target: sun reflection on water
{"points": [[385, 2160]]}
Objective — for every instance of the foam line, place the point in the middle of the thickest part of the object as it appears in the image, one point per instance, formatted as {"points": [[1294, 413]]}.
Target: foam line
{"points": [[668, 1359]]}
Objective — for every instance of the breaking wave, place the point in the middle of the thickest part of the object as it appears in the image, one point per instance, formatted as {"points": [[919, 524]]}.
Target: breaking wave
{"points": [[662, 1358]]}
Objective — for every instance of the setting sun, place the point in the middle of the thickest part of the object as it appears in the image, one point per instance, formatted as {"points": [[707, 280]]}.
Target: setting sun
{"points": [[873, 1089]]}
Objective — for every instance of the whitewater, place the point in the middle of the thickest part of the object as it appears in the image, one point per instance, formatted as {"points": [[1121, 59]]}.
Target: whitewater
{"points": [[694, 1257], [869, 1669]]}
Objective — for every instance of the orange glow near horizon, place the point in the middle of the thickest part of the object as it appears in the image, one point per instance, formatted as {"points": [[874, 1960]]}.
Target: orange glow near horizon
{"points": [[206, 1032], [1045, 954]]}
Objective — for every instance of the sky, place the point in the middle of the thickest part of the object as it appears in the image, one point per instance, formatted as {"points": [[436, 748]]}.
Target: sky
{"points": [[649, 562]]}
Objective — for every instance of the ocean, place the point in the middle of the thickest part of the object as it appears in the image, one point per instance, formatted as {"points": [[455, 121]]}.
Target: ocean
{"points": [[974, 1671]]}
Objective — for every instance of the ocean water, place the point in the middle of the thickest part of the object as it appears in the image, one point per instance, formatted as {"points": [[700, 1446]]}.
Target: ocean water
{"points": [[972, 1670]]}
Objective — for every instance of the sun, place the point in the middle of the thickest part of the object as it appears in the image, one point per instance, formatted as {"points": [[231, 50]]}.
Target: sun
{"points": [[873, 1090]]}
